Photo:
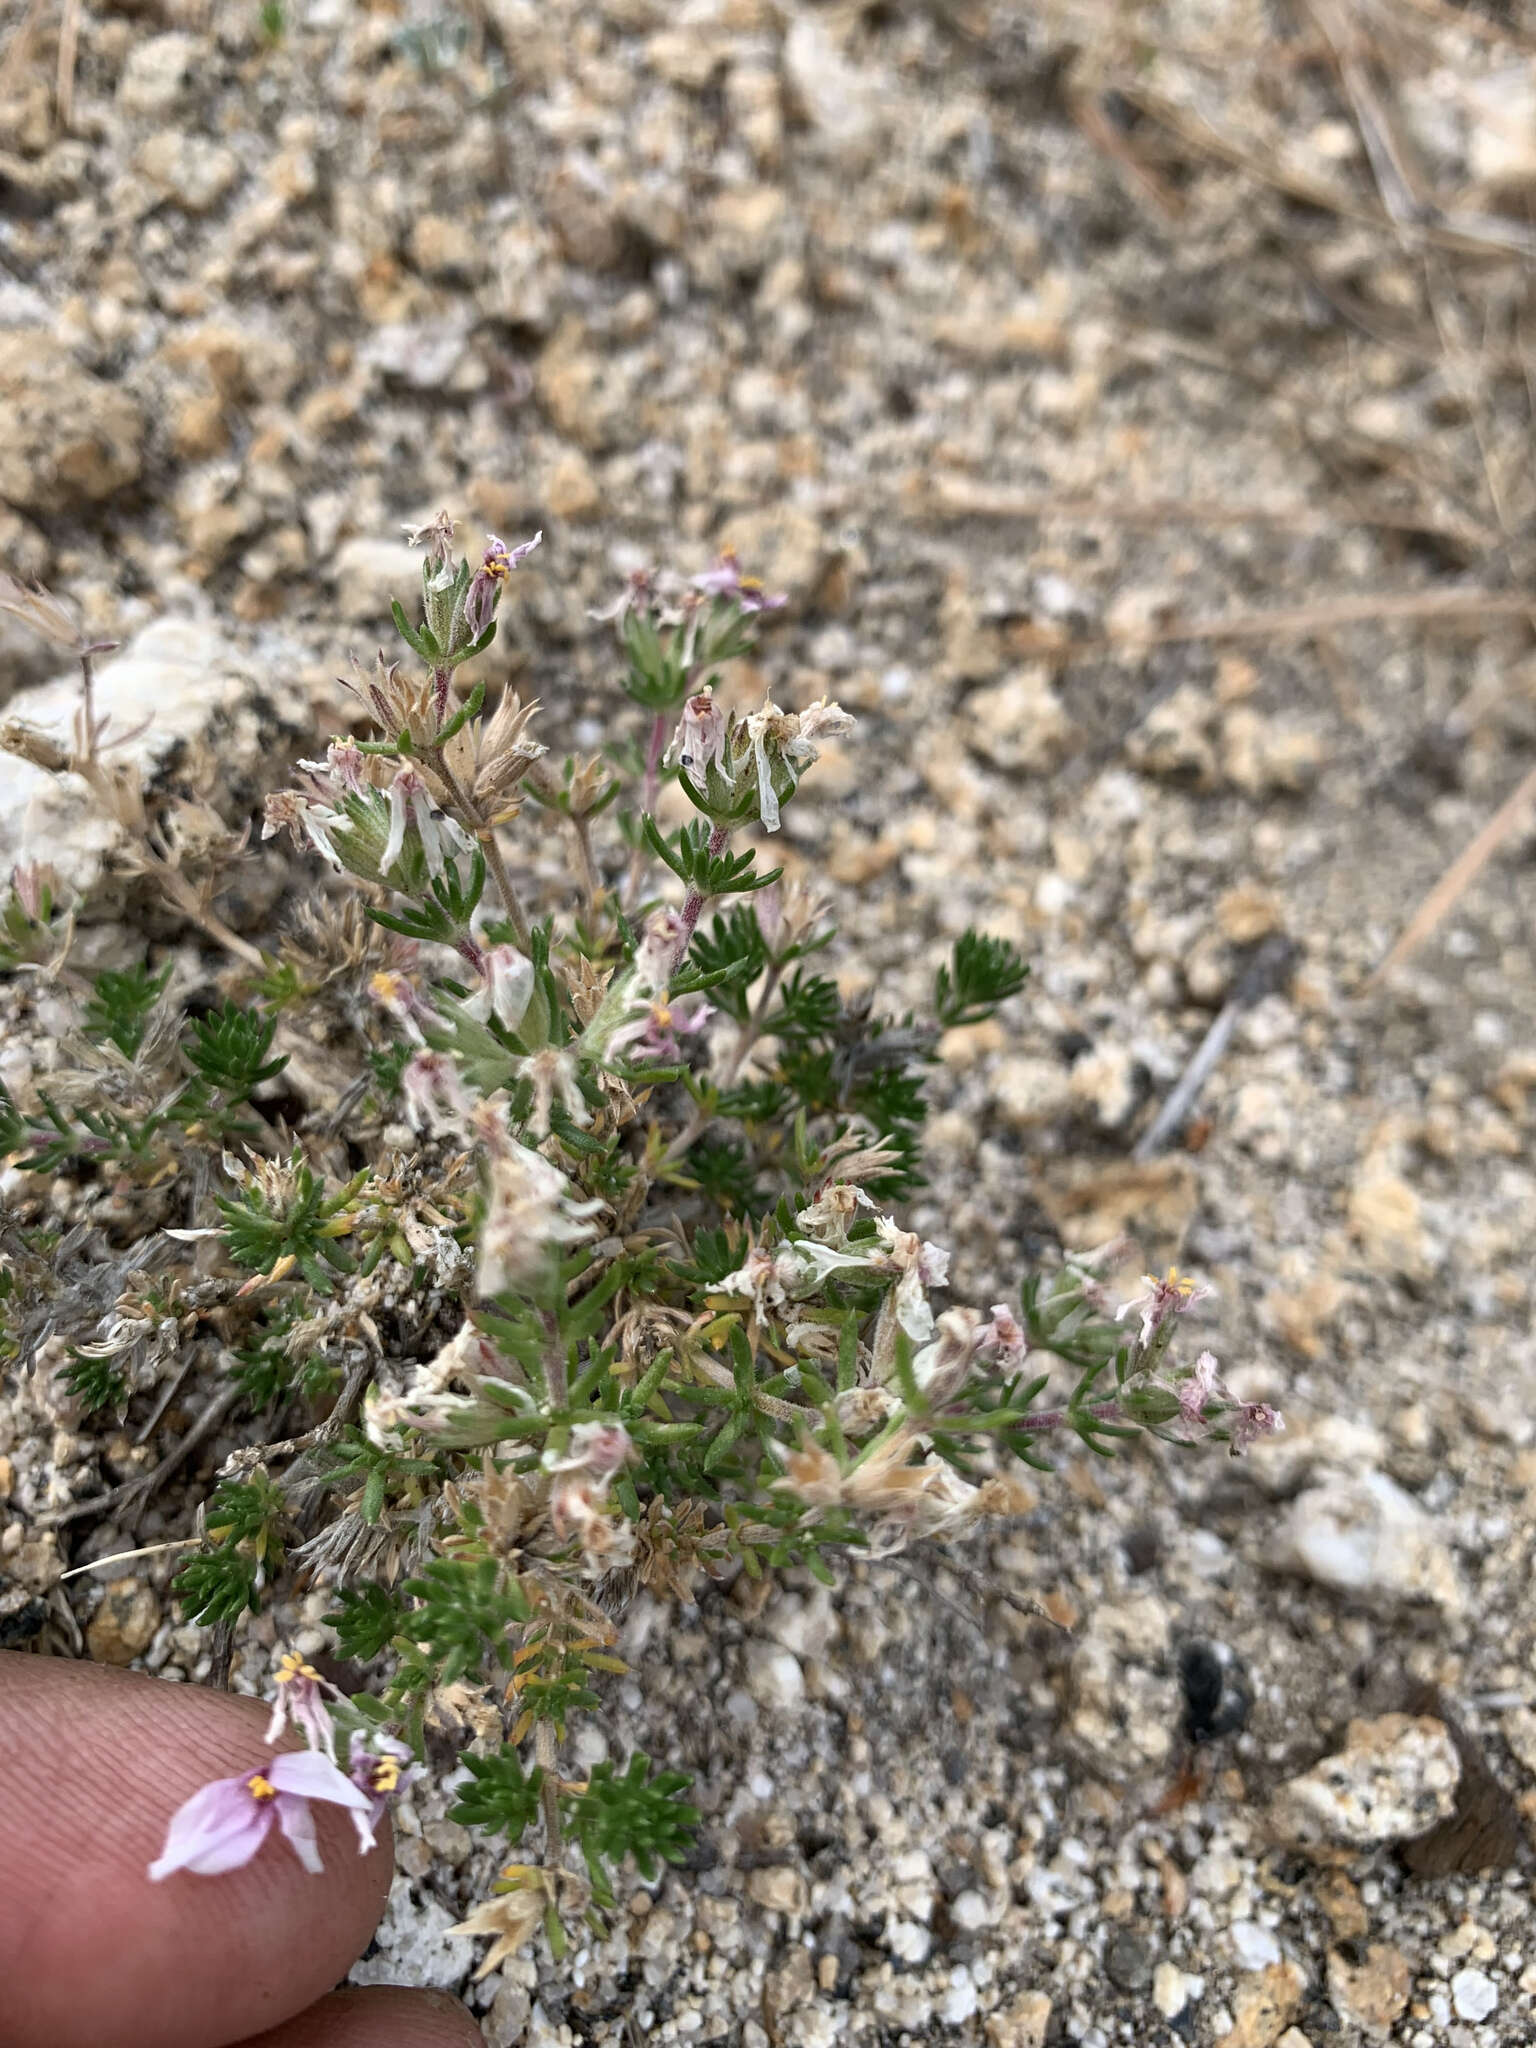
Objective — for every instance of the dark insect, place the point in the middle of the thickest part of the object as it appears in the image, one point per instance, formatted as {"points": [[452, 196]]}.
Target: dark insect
{"points": [[1217, 1696]]}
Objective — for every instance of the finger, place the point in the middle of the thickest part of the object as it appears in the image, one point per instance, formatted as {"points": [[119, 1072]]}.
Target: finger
{"points": [[377, 2019], [93, 1763]]}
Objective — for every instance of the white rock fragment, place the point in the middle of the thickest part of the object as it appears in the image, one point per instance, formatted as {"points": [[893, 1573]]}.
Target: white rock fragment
{"points": [[1170, 1990], [839, 101], [176, 681], [155, 75], [1474, 1994], [908, 1942], [1366, 1537], [1394, 1779], [413, 1944], [774, 1676], [970, 1912], [1254, 1946], [369, 573]]}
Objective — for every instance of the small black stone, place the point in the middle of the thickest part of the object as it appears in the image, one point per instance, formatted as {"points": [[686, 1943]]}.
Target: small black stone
{"points": [[1128, 1961], [1143, 1546]]}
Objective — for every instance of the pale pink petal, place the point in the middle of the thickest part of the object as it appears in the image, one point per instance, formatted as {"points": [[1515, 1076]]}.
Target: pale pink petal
{"points": [[298, 1824], [313, 1776], [365, 1823], [219, 1828]]}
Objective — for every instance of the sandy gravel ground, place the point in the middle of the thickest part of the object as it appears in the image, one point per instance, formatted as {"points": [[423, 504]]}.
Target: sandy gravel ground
{"points": [[1135, 401]]}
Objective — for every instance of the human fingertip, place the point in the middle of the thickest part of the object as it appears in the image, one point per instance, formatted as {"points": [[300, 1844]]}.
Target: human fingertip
{"points": [[376, 2016]]}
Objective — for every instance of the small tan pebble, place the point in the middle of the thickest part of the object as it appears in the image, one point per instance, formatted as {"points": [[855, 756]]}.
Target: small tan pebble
{"points": [[1021, 2024], [780, 1889], [1374, 1993], [7, 1478], [1341, 1901], [448, 1840], [414, 1855], [640, 1905], [124, 1625], [1263, 2006], [1248, 912]]}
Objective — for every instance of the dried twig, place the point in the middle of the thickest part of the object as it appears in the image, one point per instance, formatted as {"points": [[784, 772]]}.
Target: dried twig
{"points": [[1265, 972], [348, 1402], [141, 1491], [942, 495], [1475, 233], [1139, 179], [1459, 876], [19, 48], [64, 80], [1429, 607]]}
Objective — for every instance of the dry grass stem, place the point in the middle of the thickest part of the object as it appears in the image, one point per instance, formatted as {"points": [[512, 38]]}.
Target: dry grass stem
{"points": [[1459, 876]]}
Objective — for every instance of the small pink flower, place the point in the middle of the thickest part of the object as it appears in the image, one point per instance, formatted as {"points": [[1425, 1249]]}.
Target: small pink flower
{"points": [[222, 1825], [653, 1036], [496, 566], [410, 803], [1174, 1295], [288, 810], [1002, 1340], [659, 945], [299, 1699], [1203, 1384], [702, 736], [598, 1449], [436, 1099], [381, 1772], [1254, 1419], [724, 579], [505, 989], [345, 765], [403, 1000], [436, 537], [638, 594]]}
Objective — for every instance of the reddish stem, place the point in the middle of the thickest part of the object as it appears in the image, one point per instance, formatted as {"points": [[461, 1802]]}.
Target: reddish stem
{"points": [[1058, 1418], [695, 900]]}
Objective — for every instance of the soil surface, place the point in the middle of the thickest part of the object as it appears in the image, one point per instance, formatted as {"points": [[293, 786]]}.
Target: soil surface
{"points": [[1135, 403]]}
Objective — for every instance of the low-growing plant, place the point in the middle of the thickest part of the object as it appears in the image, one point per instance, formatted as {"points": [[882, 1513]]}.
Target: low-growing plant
{"points": [[591, 1280]]}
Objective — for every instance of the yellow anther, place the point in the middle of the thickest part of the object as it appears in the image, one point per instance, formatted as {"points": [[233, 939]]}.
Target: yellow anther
{"points": [[386, 1774], [259, 1787], [663, 1016], [291, 1667]]}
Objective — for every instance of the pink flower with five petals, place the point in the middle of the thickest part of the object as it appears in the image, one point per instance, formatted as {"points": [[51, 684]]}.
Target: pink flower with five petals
{"points": [[222, 1825]]}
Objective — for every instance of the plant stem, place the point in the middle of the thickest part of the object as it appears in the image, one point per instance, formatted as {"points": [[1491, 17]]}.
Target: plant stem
{"points": [[591, 887], [1060, 1418], [471, 817], [751, 1032], [242, 949], [653, 750], [547, 1757], [88, 703], [695, 900]]}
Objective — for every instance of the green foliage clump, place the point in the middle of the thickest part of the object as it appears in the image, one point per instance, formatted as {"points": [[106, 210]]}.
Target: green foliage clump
{"points": [[633, 1307]]}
